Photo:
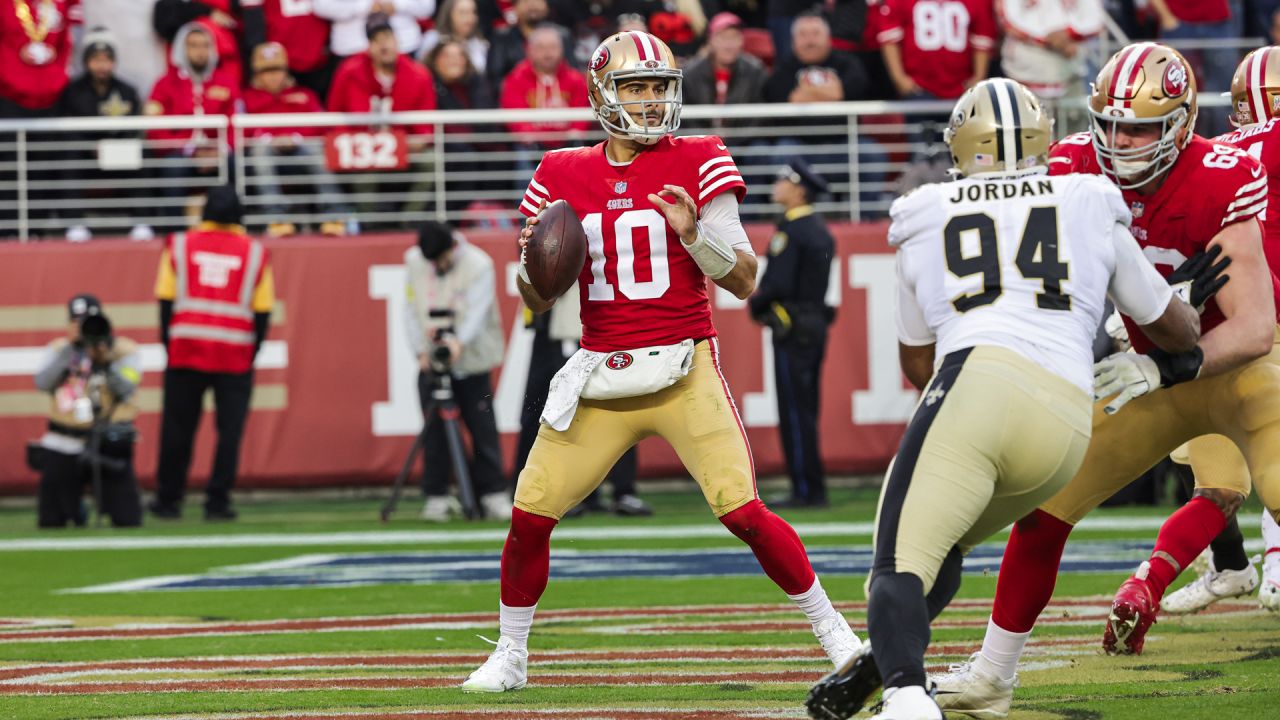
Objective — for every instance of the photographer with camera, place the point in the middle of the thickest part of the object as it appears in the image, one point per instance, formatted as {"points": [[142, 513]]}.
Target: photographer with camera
{"points": [[91, 377], [454, 328]]}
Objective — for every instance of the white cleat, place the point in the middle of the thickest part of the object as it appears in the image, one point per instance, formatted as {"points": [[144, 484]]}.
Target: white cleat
{"points": [[440, 508], [970, 690], [1209, 588], [838, 639], [496, 506], [1269, 595], [506, 669], [908, 703]]}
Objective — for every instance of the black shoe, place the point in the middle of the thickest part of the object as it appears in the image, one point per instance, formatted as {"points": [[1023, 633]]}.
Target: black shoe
{"points": [[165, 511], [632, 506], [844, 692], [224, 514]]}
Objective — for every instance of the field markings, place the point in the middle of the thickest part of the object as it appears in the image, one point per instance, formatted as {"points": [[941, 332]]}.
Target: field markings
{"points": [[496, 535]]}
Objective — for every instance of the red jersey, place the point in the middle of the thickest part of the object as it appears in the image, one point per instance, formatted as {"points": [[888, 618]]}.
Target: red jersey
{"points": [[938, 39], [525, 89], [639, 286], [175, 94], [1199, 11], [35, 87], [1262, 141], [290, 100], [294, 24], [1211, 186], [357, 89]]}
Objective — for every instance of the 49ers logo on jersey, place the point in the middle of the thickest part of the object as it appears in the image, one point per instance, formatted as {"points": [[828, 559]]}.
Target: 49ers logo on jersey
{"points": [[600, 59], [1175, 80], [619, 361]]}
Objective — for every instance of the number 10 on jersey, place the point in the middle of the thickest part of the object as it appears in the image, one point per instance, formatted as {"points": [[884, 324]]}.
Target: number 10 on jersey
{"points": [[651, 228]]}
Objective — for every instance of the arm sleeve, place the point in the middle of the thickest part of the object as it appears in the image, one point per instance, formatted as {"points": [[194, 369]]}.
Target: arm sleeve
{"points": [[1136, 287], [720, 216], [166, 317], [166, 279], [261, 324], [479, 298], [419, 9], [414, 332], [912, 328], [124, 375], [264, 295], [717, 173], [53, 367]]}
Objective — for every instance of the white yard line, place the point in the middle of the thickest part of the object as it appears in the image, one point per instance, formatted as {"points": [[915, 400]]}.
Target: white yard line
{"points": [[496, 536]]}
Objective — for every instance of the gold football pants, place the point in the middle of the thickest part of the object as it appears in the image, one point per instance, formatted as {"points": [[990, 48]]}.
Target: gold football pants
{"points": [[696, 416], [994, 435], [1242, 406]]}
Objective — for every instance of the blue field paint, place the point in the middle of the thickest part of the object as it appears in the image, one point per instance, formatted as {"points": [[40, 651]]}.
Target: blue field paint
{"points": [[348, 569]]}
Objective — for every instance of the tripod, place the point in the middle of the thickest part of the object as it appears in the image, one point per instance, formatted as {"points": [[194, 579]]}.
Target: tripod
{"points": [[442, 406]]}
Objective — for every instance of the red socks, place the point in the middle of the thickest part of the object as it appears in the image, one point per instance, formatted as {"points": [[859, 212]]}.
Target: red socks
{"points": [[1183, 536], [526, 558], [1029, 571], [775, 545]]}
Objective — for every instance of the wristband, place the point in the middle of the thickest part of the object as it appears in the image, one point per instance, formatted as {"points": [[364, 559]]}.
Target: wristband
{"points": [[1179, 367], [713, 255]]}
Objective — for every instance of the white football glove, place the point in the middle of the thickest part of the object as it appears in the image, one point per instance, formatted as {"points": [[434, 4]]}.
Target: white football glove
{"points": [[1125, 375], [1114, 327]]}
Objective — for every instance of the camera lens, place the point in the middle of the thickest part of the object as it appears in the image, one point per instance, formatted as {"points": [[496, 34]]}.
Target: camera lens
{"points": [[95, 328]]}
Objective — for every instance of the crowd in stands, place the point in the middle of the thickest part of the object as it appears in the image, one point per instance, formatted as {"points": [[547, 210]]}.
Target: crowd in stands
{"points": [[212, 57]]}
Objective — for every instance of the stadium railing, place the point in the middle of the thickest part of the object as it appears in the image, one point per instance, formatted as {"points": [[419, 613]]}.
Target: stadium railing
{"points": [[467, 167]]}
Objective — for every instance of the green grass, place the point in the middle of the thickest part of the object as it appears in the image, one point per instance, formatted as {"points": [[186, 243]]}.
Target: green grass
{"points": [[1198, 667]]}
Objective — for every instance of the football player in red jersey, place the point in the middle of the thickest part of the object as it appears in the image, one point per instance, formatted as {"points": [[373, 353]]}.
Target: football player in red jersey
{"points": [[1214, 459], [661, 216], [1186, 194]]}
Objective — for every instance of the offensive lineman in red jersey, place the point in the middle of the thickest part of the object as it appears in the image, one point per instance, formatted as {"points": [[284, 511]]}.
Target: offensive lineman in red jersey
{"points": [[1186, 194], [661, 215]]}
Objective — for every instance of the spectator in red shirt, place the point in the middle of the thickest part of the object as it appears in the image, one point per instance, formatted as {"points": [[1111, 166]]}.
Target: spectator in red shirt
{"points": [[35, 42], [545, 80], [1201, 20], [304, 35], [936, 48], [383, 81], [220, 17], [507, 46], [273, 90]]}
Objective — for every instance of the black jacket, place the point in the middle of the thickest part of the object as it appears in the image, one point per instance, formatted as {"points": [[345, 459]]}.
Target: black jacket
{"points": [[746, 85], [80, 99], [791, 297], [786, 73]]}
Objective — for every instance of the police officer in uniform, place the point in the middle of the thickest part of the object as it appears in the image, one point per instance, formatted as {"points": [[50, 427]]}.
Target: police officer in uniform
{"points": [[91, 377], [216, 292], [791, 300]]}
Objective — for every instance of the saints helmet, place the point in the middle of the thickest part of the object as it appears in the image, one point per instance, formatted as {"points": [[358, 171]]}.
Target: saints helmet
{"points": [[998, 126], [1255, 88], [1144, 83], [629, 56]]}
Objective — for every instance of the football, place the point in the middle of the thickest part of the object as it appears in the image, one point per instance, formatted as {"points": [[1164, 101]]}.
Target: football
{"points": [[557, 251]]}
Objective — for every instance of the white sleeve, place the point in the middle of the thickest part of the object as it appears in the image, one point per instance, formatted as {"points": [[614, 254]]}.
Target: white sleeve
{"points": [[1136, 287], [912, 327], [720, 216]]}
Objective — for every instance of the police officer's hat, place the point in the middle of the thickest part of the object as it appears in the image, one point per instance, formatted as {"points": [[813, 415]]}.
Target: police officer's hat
{"points": [[799, 172]]}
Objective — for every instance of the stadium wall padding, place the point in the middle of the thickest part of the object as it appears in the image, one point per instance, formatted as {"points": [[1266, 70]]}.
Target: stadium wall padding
{"points": [[335, 398]]}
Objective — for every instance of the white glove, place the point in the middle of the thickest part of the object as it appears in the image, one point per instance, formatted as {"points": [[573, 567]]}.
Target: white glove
{"points": [[1125, 375], [1114, 327]]}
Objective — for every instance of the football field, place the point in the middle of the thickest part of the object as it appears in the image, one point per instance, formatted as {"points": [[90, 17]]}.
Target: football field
{"points": [[313, 609]]}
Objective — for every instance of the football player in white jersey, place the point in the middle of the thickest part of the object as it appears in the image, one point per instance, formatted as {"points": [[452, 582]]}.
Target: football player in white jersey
{"points": [[1002, 275]]}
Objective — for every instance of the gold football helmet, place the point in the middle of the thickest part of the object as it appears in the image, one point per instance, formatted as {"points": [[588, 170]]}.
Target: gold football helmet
{"points": [[1143, 84], [627, 56], [1255, 88], [998, 127]]}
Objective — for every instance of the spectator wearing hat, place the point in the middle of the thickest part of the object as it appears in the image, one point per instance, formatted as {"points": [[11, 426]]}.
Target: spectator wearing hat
{"points": [[216, 292], [791, 300], [383, 81], [304, 35], [350, 17], [141, 55], [91, 377], [724, 75], [272, 150], [451, 287], [98, 92]]}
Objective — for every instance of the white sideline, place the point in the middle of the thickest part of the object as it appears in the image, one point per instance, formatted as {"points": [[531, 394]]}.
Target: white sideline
{"points": [[450, 537]]}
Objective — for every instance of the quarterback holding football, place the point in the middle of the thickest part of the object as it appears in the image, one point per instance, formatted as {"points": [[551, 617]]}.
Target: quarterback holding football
{"points": [[660, 216]]}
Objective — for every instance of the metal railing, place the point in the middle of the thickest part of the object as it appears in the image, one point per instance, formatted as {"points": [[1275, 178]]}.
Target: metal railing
{"points": [[466, 167]]}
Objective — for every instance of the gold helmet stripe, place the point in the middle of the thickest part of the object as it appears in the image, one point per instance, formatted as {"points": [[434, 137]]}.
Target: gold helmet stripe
{"points": [[1134, 56], [1258, 73]]}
